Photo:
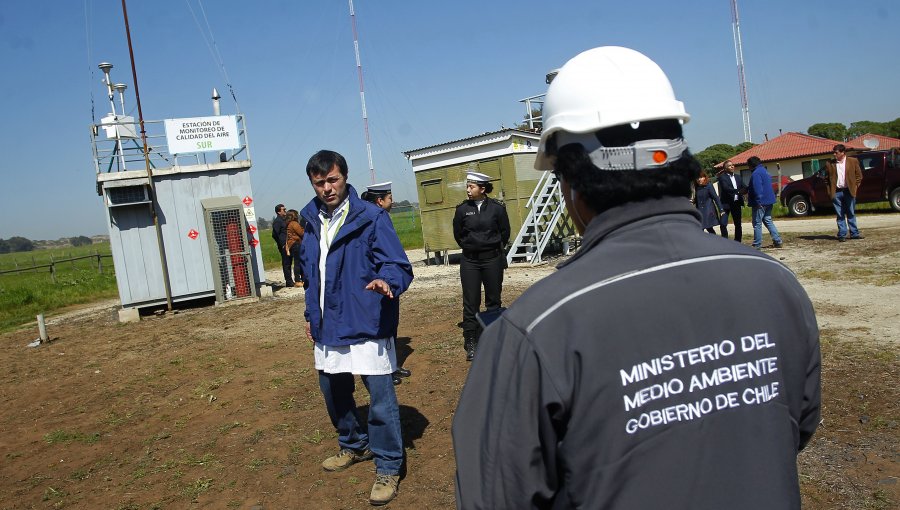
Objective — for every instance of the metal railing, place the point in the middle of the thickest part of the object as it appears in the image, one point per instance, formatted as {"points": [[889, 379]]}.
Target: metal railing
{"points": [[125, 153]]}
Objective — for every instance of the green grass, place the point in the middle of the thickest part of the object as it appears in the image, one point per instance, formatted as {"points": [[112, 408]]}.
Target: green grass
{"points": [[62, 436], [24, 295], [28, 258], [408, 225]]}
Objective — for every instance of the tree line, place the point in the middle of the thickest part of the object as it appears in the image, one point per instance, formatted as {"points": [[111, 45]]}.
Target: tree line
{"points": [[842, 133], [18, 244]]}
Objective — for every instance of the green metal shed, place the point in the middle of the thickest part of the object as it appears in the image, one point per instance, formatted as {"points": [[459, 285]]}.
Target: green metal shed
{"points": [[507, 156]]}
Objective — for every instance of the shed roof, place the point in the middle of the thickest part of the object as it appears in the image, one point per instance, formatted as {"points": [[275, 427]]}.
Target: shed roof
{"points": [[488, 134]]}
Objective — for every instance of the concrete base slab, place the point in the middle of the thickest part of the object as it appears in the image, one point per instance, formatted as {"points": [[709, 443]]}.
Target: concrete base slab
{"points": [[238, 301], [129, 315], [265, 291]]}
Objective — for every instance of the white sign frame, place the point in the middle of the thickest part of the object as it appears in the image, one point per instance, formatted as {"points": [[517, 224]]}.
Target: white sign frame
{"points": [[202, 134]]}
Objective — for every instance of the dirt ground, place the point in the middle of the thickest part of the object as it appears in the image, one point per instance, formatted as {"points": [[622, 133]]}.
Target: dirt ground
{"points": [[219, 407]]}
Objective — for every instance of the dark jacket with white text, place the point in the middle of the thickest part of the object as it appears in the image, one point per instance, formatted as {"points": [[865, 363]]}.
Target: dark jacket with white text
{"points": [[611, 384]]}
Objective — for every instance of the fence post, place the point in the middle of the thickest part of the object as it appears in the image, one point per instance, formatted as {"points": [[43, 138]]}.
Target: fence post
{"points": [[73, 261], [53, 272]]}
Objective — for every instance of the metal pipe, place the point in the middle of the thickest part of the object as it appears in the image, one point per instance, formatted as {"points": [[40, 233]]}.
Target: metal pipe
{"points": [[42, 328], [159, 237]]}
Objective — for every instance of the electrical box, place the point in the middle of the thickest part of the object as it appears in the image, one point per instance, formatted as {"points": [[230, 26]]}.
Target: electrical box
{"points": [[119, 126]]}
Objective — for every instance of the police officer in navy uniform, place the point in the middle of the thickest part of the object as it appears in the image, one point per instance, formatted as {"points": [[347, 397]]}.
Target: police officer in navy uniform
{"points": [[481, 229], [381, 195]]}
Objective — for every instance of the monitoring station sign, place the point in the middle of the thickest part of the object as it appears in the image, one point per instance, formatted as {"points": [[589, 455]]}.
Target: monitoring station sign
{"points": [[200, 134]]}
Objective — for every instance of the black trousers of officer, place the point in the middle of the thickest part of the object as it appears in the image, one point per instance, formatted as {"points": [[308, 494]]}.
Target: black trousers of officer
{"points": [[286, 261], [473, 273], [735, 213]]}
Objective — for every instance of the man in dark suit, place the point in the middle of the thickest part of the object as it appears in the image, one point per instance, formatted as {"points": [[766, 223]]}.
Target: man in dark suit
{"points": [[731, 191], [279, 234], [844, 176]]}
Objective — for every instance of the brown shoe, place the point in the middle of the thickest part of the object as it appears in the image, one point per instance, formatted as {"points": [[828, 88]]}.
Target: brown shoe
{"points": [[298, 284], [384, 489], [346, 458]]}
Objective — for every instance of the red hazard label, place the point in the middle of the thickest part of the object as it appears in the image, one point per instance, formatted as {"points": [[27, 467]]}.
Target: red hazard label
{"points": [[193, 234], [254, 243], [252, 229], [247, 201]]}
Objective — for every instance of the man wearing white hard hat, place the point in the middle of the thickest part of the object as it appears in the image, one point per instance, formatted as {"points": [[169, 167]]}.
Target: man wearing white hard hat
{"points": [[602, 386], [481, 229]]}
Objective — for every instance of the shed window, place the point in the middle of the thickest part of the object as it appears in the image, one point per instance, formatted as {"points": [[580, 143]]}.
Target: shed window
{"points": [[127, 195], [432, 191]]}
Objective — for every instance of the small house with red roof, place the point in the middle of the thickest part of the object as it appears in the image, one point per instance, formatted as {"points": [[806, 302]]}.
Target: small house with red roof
{"points": [[792, 155], [871, 141]]}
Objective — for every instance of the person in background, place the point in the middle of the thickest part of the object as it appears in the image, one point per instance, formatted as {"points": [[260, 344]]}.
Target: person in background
{"points": [[762, 198], [279, 234], [380, 194], [707, 202], [844, 177], [481, 229], [731, 192], [355, 269], [292, 245], [602, 386]]}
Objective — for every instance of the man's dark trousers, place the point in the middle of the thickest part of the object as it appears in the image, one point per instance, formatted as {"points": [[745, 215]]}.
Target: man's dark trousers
{"points": [[286, 261], [735, 211]]}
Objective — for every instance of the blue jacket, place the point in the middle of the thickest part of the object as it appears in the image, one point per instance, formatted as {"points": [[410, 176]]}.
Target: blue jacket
{"points": [[760, 192], [366, 248]]}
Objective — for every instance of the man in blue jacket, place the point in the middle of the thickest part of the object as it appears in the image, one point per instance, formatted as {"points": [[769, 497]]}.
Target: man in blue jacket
{"points": [[761, 198], [355, 268]]}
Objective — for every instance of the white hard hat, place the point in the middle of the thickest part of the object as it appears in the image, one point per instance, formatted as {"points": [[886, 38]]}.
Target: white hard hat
{"points": [[604, 87]]}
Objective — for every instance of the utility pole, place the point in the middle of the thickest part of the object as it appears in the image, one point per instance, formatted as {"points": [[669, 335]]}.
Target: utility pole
{"points": [[362, 94], [742, 80], [158, 228]]}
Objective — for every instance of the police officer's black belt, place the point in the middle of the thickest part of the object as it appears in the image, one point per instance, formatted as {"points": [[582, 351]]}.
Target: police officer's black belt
{"points": [[481, 255]]}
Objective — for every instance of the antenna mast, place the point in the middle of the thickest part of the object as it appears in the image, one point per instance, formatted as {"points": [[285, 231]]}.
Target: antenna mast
{"points": [[742, 81], [362, 94]]}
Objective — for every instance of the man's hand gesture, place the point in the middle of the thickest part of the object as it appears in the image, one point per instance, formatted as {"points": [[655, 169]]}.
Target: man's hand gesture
{"points": [[381, 287]]}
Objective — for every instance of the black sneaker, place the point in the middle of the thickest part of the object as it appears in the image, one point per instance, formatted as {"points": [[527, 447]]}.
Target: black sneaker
{"points": [[858, 237], [403, 372], [841, 239]]}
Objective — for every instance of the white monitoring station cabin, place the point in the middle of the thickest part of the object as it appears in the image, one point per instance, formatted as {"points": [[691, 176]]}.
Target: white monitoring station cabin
{"points": [[181, 218]]}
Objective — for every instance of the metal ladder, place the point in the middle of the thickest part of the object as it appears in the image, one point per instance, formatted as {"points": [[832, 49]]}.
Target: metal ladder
{"points": [[545, 207]]}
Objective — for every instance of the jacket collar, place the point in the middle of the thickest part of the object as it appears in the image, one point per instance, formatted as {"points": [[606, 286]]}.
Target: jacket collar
{"points": [[624, 215], [354, 215]]}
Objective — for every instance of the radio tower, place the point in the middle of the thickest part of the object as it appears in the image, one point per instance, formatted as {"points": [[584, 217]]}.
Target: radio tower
{"points": [[742, 81], [362, 94]]}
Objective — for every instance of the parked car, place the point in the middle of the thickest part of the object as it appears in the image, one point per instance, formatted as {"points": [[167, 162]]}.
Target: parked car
{"points": [[881, 181]]}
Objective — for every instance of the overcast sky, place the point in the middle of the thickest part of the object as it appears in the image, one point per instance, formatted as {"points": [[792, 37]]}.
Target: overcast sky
{"points": [[434, 72]]}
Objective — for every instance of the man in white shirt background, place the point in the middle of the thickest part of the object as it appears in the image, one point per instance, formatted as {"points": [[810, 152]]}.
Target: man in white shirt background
{"points": [[844, 178]]}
